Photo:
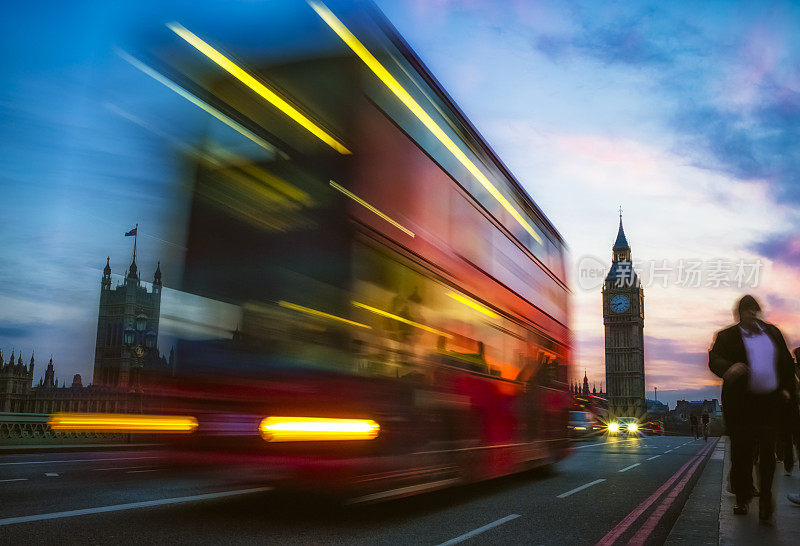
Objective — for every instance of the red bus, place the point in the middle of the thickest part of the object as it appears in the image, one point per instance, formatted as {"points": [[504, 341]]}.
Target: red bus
{"points": [[400, 301]]}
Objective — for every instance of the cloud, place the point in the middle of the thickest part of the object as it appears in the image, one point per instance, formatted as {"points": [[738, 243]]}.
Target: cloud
{"points": [[783, 248], [759, 146], [18, 331], [673, 350], [733, 98], [671, 396]]}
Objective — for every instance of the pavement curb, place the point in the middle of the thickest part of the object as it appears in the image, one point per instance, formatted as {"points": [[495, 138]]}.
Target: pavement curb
{"points": [[698, 522]]}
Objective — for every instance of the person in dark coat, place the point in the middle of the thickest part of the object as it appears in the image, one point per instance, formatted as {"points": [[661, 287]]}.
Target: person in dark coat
{"points": [[757, 371], [795, 497]]}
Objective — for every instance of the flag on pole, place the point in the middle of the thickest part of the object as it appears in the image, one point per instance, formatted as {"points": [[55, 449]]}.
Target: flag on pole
{"points": [[132, 232]]}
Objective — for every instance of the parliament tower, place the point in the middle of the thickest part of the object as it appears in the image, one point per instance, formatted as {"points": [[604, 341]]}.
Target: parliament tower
{"points": [[127, 327], [623, 317]]}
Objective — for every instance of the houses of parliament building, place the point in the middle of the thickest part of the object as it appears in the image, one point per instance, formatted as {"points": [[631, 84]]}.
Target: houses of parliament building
{"points": [[126, 355]]}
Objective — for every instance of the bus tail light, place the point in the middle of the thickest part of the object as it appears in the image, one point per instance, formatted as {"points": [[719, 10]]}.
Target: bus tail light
{"points": [[312, 429], [121, 422]]}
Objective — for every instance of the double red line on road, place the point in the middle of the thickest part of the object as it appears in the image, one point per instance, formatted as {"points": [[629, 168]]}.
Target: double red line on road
{"points": [[649, 526]]}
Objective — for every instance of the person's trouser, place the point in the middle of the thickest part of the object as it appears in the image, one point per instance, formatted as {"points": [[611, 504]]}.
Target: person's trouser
{"points": [[786, 450], [757, 431], [789, 436]]}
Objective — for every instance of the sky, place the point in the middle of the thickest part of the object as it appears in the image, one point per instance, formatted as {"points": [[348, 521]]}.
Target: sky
{"points": [[686, 116]]}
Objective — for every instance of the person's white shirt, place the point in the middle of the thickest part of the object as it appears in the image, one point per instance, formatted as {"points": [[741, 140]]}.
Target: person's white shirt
{"points": [[761, 355]]}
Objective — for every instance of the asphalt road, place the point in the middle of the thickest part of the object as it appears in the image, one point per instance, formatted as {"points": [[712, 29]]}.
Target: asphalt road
{"points": [[608, 490]]}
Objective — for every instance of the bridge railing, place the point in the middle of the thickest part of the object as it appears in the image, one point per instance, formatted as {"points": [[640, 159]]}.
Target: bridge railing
{"points": [[32, 429]]}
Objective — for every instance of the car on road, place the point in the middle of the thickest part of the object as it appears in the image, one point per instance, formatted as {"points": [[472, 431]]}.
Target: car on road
{"points": [[623, 426], [653, 427], [580, 424]]}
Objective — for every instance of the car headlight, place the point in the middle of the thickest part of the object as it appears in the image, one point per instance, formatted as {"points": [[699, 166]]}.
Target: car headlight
{"points": [[633, 427], [613, 427]]}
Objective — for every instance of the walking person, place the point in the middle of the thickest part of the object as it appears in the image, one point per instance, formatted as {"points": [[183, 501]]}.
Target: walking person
{"points": [[758, 376], [693, 421], [795, 432], [789, 435], [705, 419]]}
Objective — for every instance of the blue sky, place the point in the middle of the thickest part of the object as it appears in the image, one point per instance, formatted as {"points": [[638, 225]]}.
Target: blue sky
{"points": [[686, 115]]}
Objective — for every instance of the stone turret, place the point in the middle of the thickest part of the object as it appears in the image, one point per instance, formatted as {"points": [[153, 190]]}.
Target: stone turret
{"points": [[50, 375]]}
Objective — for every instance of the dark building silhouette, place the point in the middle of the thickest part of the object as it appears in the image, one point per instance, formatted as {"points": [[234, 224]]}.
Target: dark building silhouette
{"points": [[582, 389], [126, 357], [623, 317], [127, 327], [15, 383], [17, 395], [684, 408]]}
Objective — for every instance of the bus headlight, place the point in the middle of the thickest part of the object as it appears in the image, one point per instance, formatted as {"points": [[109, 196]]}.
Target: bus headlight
{"points": [[633, 427], [613, 427]]}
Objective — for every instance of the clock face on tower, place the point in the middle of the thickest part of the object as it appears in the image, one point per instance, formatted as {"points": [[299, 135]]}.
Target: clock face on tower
{"points": [[620, 303]]}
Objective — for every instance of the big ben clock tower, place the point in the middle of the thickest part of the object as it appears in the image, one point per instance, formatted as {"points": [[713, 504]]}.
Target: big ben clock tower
{"points": [[623, 317]]}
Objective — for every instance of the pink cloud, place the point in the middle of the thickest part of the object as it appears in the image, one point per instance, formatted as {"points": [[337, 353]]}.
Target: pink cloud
{"points": [[606, 149]]}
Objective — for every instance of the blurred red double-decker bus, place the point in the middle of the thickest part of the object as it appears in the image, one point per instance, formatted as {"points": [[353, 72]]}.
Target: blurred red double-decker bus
{"points": [[400, 301]]}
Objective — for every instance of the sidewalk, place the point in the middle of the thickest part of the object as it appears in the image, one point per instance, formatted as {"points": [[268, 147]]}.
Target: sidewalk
{"points": [[746, 529], [707, 517]]}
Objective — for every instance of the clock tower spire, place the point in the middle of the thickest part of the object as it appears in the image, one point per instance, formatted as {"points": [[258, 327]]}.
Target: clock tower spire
{"points": [[623, 318]]}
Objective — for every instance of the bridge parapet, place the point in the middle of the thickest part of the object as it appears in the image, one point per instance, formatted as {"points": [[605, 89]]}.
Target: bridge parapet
{"points": [[32, 428]]}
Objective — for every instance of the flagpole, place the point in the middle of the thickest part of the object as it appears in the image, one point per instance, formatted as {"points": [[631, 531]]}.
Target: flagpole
{"points": [[135, 238]]}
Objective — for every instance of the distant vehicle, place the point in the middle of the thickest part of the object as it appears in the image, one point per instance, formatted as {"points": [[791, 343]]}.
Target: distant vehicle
{"points": [[623, 426], [580, 424], [652, 428]]}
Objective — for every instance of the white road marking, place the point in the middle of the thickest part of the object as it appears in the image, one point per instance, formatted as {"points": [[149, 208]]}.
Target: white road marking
{"points": [[130, 506], [404, 491], [604, 443], [137, 471], [81, 460], [654, 457], [15, 480], [592, 445], [629, 467], [669, 450], [581, 488], [51, 474], [479, 530]]}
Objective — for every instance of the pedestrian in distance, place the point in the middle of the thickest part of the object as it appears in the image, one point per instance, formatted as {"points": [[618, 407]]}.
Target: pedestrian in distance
{"points": [[758, 377], [705, 419], [693, 421], [795, 430]]}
